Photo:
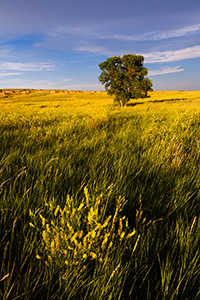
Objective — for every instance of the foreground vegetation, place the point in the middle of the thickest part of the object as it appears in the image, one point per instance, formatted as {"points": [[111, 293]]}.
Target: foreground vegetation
{"points": [[99, 202]]}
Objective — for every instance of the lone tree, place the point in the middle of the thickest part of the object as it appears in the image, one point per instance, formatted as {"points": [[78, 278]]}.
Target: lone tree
{"points": [[125, 78]]}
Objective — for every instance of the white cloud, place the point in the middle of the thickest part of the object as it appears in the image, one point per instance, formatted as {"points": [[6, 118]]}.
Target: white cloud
{"points": [[94, 49], [24, 83], [15, 66], [66, 79], [175, 55], [88, 32], [154, 36], [10, 74], [184, 31], [165, 71], [34, 84]]}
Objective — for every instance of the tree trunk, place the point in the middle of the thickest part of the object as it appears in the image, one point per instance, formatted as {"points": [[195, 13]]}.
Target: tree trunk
{"points": [[123, 103]]}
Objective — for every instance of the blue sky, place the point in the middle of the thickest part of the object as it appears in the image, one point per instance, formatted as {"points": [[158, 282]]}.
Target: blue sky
{"points": [[59, 43]]}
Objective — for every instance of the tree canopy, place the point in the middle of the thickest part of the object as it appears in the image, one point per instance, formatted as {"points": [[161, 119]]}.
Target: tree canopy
{"points": [[125, 77]]}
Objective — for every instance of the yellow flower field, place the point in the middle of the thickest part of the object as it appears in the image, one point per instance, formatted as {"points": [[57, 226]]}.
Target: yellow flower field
{"points": [[97, 201]]}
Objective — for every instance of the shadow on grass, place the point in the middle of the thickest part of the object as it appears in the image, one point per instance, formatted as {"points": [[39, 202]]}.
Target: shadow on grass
{"points": [[157, 101]]}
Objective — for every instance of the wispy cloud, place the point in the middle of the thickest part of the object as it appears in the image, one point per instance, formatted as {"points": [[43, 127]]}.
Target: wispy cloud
{"points": [[16, 66], [155, 36], [150, 57], [10, 74], [88, 32], [92, 40], [165, 71], [33, 84], [176, 55], [5, 51], [66, 79], [184, 31], [94, 49]]}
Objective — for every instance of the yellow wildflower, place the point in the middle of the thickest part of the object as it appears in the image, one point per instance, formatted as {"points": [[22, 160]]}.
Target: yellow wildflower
{"points": [[80, 206], [56, 210], [93, 255], [105, 240], [131, 234], [122, 235], [80, 234], [106, 222], [93, 234]]}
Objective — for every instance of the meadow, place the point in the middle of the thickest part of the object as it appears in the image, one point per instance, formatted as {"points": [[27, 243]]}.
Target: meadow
{"points": [[99, 202]]}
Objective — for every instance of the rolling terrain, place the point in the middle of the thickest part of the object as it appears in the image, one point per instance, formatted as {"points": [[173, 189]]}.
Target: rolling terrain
{"points": [[99, 202]]}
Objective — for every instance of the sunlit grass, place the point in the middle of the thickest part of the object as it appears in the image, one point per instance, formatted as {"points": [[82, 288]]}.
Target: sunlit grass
{"points": [[74, 166]]}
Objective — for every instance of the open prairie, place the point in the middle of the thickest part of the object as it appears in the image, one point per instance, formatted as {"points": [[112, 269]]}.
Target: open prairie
{"points": [[98, 201]]}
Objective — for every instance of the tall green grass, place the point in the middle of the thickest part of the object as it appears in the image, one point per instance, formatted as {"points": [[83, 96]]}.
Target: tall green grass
{"points": [[97, 202]]}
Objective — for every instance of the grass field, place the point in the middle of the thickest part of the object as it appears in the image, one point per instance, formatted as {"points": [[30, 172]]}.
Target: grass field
{"points": [[99, 202]]}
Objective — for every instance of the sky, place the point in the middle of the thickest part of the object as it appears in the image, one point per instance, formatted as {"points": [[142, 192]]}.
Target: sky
{"points": [[58, 44]]}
